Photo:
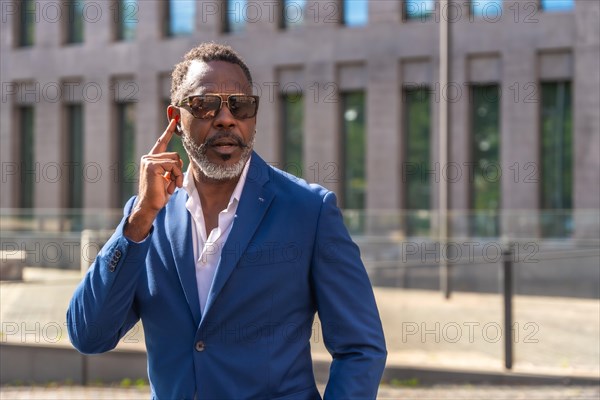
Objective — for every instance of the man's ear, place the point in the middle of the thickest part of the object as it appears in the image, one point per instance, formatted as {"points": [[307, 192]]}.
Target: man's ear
{"points": [[173, 112]]}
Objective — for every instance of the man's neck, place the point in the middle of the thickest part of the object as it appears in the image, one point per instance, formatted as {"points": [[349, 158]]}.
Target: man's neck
{"points": [[213, 193]]}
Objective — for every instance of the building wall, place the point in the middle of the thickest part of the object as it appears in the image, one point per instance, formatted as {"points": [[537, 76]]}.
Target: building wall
{"points": [[520, 47]]}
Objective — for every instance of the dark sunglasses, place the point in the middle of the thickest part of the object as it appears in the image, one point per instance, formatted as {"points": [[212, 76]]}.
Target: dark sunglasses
{"points": [[206, 106]]}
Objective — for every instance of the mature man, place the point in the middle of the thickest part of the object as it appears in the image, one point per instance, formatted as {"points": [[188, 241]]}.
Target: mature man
{"points": [[227, 264]]}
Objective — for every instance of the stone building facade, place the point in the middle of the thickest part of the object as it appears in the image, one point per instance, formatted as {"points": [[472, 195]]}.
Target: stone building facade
{"points": [[515, 50]]}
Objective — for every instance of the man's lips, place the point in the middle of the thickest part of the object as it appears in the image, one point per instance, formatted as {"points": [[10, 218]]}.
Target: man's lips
{"points": [[225, 140], [224, 143]]}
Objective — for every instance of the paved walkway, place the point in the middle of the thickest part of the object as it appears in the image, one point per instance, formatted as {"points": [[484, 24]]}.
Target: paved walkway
{"points": [[385, 393], [555, 336]]}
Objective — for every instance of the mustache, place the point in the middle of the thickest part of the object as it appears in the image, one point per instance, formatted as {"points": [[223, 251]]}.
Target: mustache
{"points": [[224, 135]]}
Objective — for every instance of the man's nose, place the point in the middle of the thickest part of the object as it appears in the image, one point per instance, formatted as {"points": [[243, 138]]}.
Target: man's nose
{"points": [[224, 118]]}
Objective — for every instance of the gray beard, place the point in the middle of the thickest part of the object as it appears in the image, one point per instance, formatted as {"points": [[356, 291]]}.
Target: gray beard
{"points": [[197, 154]]}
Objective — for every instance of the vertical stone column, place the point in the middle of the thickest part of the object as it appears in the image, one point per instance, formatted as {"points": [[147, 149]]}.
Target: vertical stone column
{"points": [[49, 144], [321, 122], [586, 120], [150, 21], [323, 13], [151, 118], [99, 23], [262, 16], [385, 12], [384, 133], [267, 129], [8, 124], [459, 141], [210, 16], [520, 143], [99, 128]]}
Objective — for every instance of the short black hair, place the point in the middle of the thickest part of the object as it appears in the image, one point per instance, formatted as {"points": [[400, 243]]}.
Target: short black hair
{"points": [[205, 52]]}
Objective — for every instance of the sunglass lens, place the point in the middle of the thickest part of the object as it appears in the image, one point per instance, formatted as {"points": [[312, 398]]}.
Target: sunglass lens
{"points": [[205, 106], [243, 106]]}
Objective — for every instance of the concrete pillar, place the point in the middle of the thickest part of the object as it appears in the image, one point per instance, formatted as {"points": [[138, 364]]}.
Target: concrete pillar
{"points": [[49, 144], [520, 143], [321, 122], [99, 129], [459, 140], [385, 12], [267, 129], [384, 133], [586, 120]]}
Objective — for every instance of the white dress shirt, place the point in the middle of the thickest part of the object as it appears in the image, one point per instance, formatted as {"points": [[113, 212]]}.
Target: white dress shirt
{"points": [[211, 245]]}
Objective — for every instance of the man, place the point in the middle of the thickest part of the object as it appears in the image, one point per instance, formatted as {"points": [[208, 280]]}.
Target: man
{"points": [[227, 264]]}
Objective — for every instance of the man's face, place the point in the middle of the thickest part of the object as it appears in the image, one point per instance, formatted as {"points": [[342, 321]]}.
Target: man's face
{"points": [[219, 146]]}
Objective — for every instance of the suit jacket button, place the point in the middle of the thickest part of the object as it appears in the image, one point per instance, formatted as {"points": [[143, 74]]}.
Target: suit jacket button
{"points": [[200, 345]]}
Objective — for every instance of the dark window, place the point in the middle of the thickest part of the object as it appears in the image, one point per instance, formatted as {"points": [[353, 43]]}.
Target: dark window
{"points": [[418, 9], [557, 159], [485, 152], [28, 170], [26, 24], [487, 9], [557, 5], [291, 129], [74, 21], [417, 166], [74, 156], [293, 13], [126, 18], [236, 14], [180, 17], [353, 145], [126, 168], [356, 12]]}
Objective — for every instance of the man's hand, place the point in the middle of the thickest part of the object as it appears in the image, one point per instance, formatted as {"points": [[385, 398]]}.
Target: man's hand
{"points": [[160, 174]]}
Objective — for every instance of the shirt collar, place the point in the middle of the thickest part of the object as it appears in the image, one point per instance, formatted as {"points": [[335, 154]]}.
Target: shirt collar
{"points": [[190, 187]]}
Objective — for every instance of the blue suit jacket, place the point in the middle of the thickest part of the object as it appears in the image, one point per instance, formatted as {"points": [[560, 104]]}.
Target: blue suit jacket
{"points": [[288, 256]]}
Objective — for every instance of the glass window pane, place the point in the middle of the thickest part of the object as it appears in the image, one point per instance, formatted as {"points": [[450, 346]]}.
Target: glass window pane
{"points": [[486, 8], [416, 176], [75, 137], [236, 12], [181, 17], [557, 5], [292, 127], [353, 136], [557, 159], [418, 9], [27, 156], [356, 12], [75, 21], [127, 19], [293, 12], [126, 168], [485, 150], [27, 16]]}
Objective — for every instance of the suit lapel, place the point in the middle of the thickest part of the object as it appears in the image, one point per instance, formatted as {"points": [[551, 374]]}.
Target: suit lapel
{"points": [[253, 205], [180, 237]]}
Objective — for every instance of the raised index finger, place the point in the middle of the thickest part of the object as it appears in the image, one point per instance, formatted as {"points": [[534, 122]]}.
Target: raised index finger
{"points": [[161, 144]]}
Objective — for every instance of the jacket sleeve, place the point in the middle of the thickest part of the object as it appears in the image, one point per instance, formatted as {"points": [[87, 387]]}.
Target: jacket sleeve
{"points": [[102, 308], [352, 329]]}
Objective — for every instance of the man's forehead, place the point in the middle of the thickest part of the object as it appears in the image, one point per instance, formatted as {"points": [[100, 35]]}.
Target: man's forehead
{"points": [[215, 77]]}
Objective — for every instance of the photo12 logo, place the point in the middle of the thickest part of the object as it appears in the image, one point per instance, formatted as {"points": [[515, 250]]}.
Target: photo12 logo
{"points": [[453, 332], [52, 11]]}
